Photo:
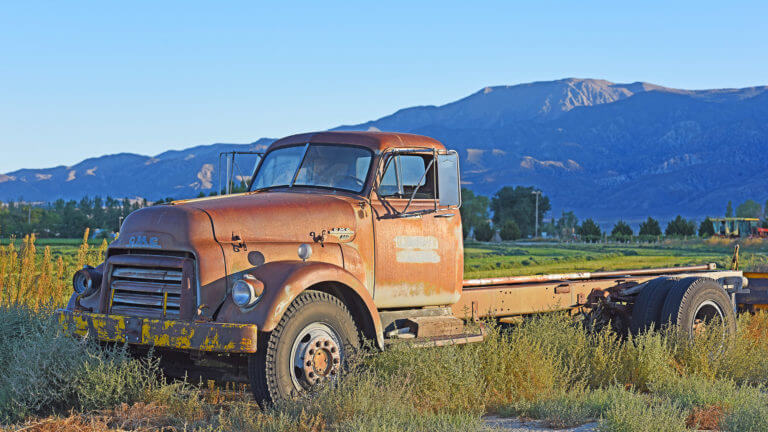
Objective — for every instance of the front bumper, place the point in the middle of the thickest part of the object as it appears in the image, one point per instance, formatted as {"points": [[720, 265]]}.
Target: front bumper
{"points": [[198, 336]]}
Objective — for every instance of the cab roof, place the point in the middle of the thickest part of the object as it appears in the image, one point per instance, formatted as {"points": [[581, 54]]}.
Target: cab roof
{"points": [[376, 141]]}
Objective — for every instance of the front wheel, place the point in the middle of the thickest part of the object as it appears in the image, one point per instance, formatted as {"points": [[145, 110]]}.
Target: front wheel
{"points": [[310, 345]]}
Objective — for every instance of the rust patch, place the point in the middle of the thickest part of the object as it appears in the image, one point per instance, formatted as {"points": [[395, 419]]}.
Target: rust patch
{"points": [[212, 337]]}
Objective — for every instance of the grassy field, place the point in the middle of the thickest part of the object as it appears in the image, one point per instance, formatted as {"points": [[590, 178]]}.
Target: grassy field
{"points": [[502, 259], [655, 382]]}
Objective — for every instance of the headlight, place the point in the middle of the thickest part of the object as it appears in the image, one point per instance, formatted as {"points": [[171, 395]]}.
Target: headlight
{"points": [[86, 281], [247, 291]]}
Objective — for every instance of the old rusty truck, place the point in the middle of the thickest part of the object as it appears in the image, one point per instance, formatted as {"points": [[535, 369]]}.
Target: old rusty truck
{"points": [[343, 238]]}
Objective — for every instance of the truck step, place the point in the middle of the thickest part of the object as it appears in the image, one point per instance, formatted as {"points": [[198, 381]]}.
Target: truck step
{"points": [[427, 342], [434, 326]]}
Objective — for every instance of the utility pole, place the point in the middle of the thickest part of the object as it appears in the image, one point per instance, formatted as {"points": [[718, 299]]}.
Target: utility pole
{"points": [[536, 229]]}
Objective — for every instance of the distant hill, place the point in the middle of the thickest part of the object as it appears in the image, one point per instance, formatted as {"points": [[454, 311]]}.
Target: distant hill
{"points": [[176, 173], [602, 149]]}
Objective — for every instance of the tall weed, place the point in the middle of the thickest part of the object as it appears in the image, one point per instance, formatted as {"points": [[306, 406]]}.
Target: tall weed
{"points": [[31, 279]]}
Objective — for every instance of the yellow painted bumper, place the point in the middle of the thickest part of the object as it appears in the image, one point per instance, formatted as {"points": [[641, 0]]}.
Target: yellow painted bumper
{"points": [[212, 337]]}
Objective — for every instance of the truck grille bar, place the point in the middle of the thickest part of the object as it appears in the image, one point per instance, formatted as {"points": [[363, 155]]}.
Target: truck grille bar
{"points": [[146, 292]]}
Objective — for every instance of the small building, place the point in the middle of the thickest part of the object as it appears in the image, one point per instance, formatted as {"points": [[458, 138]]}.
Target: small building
{"points": [[735, 226]]}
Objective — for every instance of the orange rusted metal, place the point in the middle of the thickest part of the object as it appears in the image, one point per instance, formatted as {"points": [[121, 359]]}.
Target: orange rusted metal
{"points": [[217, 240]]}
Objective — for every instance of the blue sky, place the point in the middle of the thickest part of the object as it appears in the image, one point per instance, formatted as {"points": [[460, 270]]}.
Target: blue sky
{"points": [[81, 79]]}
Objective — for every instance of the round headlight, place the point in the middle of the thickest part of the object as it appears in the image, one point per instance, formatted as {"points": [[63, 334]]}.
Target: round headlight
{"points": [[247, 291], [86, 281]]}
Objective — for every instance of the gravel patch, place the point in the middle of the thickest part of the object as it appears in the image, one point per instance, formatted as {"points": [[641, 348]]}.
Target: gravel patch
{"points": [[506, 424]]}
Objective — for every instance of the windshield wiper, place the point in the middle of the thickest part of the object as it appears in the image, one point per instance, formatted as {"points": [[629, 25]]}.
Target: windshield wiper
{"points": [[298, 167]]}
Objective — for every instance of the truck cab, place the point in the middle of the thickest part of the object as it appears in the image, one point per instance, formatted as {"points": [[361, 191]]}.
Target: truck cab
{"points": [[353, 224]]}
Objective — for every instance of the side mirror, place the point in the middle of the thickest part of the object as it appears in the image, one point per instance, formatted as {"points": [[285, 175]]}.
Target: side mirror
{"points": [[448, 184]]}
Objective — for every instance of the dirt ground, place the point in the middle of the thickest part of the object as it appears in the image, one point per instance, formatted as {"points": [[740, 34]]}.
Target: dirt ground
{"points": [[517, 425]]}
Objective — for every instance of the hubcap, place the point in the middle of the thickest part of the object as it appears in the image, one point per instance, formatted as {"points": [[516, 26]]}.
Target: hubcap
{"points": [[316, 355]]}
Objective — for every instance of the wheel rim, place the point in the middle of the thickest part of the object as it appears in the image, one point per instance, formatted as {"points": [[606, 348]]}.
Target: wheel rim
{"points": [[705, 313], [316, 355]]}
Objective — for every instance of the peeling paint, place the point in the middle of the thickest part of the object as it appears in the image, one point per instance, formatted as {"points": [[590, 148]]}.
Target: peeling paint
{"points": [[213, 337], [416, 249], [417, 256]]}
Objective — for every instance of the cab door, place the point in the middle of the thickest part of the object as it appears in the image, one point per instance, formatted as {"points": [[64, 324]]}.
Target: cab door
{"points": [[418, 243]]}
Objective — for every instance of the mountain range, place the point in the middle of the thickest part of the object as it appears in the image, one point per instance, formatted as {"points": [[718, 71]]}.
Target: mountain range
{"points": [[601, 149]]}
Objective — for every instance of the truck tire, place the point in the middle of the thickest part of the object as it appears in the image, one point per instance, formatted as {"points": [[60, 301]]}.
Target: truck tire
{"points": [[309, 345], [646, 313], [694, 302]]}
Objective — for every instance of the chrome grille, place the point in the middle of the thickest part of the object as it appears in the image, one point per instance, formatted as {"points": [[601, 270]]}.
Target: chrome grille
{"points": [[147, 292]]}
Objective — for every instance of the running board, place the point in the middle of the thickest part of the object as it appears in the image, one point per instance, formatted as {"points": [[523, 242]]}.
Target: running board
{"points": [[438, 341]]}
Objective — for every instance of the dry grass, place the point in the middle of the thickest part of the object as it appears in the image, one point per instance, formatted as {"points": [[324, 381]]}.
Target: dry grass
{"points": [[707, 417], [548, 368], [33, 279]]}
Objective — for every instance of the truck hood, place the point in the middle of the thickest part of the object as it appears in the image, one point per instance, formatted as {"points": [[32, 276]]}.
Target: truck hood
{"points": [[275, 216]]}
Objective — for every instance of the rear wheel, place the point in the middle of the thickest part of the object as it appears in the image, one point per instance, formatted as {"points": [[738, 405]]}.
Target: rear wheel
{"points": [[696, 302], [646, 312], [310, 345]]}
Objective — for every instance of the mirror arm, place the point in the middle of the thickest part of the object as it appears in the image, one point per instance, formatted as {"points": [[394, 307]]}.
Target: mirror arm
{"points": [[435, 186], [382, 199]]}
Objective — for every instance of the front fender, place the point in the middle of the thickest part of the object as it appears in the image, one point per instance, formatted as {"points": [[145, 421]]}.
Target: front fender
{"points": [[283, 282]]}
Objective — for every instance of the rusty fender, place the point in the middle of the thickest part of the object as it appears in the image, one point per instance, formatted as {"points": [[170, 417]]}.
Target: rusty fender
{"points": [[284, 281], [210, 337]]}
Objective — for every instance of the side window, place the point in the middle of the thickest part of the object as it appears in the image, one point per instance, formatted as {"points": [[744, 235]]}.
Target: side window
{"points": [[406, 174]]}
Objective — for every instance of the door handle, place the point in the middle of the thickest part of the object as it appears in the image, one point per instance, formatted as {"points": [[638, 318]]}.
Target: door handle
{"points": [[445, 215]]}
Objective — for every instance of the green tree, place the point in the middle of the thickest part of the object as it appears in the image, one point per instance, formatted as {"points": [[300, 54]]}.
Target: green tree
{"points": [[474, 210], [548, 228], [749, 209], [706, 229], [519, 204], [589, 231], [650, 227], [484, 232], [680, 227], [566, 225], [622, 231], [729, 209], [509, 230]]}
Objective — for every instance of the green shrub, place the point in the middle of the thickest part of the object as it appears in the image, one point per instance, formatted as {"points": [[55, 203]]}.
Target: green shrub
{"points": [[646, 360], [44, 372], [747, 418], [484, 232], [509, 230], [574, 408], [622, 231], [632, 412]]}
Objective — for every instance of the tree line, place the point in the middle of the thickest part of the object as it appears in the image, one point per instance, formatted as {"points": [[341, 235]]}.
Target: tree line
{"points": [[66, 219], [514, 217]]}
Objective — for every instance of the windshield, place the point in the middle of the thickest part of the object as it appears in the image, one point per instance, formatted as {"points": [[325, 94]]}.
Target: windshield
{"points": [[323, 165]]}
